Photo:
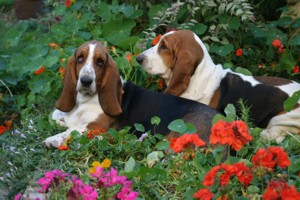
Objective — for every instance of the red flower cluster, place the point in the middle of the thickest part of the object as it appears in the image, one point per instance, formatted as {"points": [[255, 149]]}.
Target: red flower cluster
{"points": [[239, 52], [92, 133], [156, 40], [240, 170], [296, 69], [186, 141], [278, 45], [40, 70], [204, 194], [279, 189], [63, 147], [69, 3], [5, 127], [269, 158], [234, 134]]}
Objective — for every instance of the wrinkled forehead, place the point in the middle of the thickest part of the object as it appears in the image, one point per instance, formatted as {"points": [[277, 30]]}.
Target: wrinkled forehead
{"points": [[94, 46]]}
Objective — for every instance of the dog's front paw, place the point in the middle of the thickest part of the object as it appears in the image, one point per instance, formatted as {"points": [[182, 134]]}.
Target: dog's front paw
{"points": [[59, 117], [56, 140]]}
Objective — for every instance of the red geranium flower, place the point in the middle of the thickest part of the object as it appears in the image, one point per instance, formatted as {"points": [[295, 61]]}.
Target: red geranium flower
{"points": [[156, 40], [204, 194], [40, 70], [239, 52], [234, 134], [2, 129], [185, 141], [210, 176], [268, 158], [279, 189], [276, 43], [280, 156], [243, 173], [161, 83], [69, 3], [296, 69]]}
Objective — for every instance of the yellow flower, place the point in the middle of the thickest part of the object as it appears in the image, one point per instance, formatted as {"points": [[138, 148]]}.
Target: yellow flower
{"points": [[105, 164]]}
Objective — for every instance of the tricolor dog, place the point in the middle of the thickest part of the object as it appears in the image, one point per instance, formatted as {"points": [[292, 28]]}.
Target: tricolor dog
{"points": [[183, 61], [94, 96]]}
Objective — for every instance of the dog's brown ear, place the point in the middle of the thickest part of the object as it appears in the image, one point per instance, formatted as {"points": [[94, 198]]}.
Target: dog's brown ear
{"points": [[67, 100], [183, 70], [187, 56], [109, 88]]}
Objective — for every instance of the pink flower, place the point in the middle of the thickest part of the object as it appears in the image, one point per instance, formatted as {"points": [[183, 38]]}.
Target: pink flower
{"points": [[18, 196], [88, 192], [51, 177]]}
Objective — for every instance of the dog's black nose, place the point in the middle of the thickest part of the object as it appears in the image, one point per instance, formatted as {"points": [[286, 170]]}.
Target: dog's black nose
{"points": [[86, 81], [140, 58]]}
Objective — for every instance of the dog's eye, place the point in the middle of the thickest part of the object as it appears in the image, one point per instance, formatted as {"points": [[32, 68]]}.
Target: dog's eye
{"points": [[99, 62], [80, 59], [163, 47]]}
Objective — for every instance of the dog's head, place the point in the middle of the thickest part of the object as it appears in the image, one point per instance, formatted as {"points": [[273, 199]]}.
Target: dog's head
{"points": [[175, 58], [91, 71]]}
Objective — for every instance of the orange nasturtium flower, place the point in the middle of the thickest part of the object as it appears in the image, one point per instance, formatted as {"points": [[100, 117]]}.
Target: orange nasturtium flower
{"points": [[185, 141], [62, 72], [63, 147], [40, 70], [234, 134], [92, 133], [129, 57], [156, 40], [53, 45], [69, 3]]}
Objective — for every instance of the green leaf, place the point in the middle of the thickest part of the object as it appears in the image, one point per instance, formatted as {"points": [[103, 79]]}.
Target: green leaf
{"points": [[256, 31], [218, 154], [178, 125], [154, 157], [104, 11], [253, 189], [290, 103], [155, 120], [139, 127], [147, 174], [284, 21], [129, 165], [230, 111], [163, 145], [118, 30], [127, 10], [295, 40], [243, 71], [222, 50], [75, 135], [190, 128], [287, 61], [128, 43], [199, 28]]}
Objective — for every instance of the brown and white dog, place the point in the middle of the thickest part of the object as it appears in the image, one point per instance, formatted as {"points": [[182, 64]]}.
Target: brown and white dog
{"points": [[183, 61], [95, 96]]}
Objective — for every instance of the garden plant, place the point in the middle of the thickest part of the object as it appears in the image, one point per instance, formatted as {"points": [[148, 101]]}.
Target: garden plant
{"points": [[115, 164]]}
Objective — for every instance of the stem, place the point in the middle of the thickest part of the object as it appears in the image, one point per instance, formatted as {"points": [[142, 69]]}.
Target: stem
{"points": [[7, 88]]}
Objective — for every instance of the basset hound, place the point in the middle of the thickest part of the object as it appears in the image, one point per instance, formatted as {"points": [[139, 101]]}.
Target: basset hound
{"points": [[183, 61], [94, 95]]}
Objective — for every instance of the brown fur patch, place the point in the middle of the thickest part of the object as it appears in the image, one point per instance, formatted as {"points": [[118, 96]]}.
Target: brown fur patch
{"points": [[215, 99], [103, 121], [272, 81]]}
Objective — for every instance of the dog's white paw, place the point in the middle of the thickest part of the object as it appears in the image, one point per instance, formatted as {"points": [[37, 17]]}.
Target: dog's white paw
{"points": [[57, 140], [59, 117], [273, 135]]}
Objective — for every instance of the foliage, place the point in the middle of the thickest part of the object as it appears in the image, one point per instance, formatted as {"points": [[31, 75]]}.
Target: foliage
{"points": [[33, 54]]}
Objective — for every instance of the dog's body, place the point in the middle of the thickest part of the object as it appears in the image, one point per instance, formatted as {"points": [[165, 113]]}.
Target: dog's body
{"points": [[94, 96], [183, 61]]}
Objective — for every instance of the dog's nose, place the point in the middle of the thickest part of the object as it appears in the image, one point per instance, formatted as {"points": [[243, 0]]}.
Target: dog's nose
{"points": [[140, 58], [86, 81]]}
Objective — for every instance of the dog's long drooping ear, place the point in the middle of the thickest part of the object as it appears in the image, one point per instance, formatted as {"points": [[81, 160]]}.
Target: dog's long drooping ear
{"points": [[187, 55], [67, 100], [109, 88], [182, 72]]}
